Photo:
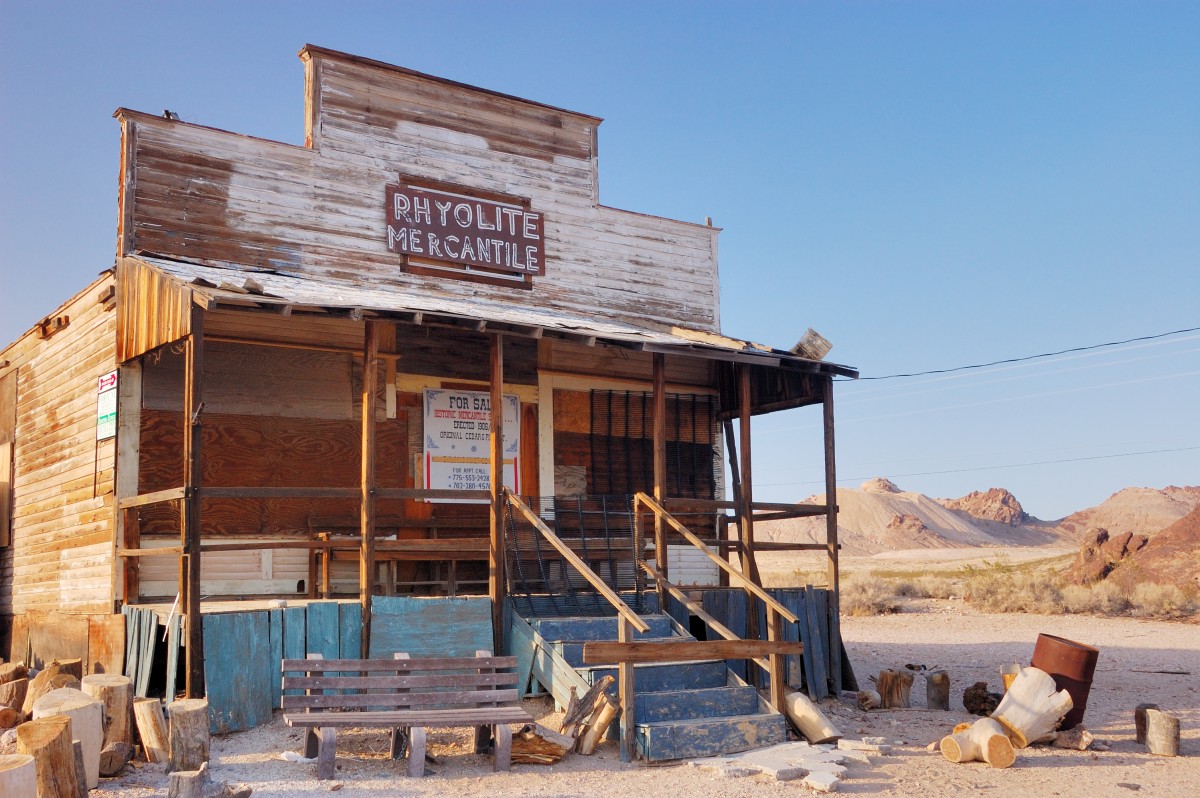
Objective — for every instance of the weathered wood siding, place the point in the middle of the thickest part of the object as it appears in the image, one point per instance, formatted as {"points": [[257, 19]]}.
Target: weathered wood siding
{"points": [[152, 309], [61, 555], [195, 192]]}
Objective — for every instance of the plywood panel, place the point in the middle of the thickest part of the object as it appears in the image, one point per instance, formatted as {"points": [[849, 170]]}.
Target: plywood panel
{"points": [[106, 644]]}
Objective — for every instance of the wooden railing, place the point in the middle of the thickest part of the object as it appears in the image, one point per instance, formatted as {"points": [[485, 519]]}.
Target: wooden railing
{"points": [[776, 612]]}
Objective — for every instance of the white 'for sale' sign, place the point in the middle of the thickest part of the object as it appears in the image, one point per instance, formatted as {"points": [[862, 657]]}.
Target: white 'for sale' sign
{"points": [[458, 430]]}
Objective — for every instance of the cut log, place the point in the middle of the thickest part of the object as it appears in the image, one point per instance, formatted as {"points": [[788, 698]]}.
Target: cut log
{"points": [[18, 776], [189, 733], [1032, 708], [985, 740], [87, 724], [72, 666], [39, 685], [48, 741], [12, 694], [537, 745], [937, 690], [809, 719], [152, 729], [11, 671], [868, 699], [9, 717], [598, 725], [189, 783], [1162, 733], [894, 689], [114, 758], [1139, 722], [115, 692]]}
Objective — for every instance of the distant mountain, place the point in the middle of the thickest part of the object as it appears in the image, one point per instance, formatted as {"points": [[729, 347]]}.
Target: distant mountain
{"points": [[1142, 511], [879, 516]]}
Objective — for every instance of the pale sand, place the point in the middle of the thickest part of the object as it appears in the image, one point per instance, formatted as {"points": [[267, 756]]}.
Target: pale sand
{"points": [[948, 634]]}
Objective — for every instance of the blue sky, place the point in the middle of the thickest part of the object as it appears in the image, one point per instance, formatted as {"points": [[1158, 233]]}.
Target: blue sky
{"points": [[927, 184]]}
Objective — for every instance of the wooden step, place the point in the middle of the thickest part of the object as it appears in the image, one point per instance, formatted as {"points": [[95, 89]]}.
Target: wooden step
{"points": [[684, 739], [592, 628], [709, 702], [669, 677]]}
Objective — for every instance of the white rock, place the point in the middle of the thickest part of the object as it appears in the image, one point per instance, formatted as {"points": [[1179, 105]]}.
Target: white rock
{"points": [[822, 781]]}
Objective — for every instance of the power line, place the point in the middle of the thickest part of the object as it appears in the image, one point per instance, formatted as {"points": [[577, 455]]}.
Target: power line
{"points": [[1029, 357], [990, 468]]}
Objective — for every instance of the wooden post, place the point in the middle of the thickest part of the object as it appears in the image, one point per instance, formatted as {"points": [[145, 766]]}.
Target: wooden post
{"points": [[189, 515], [735, 477], [660, 471], [831, 541], [366, 559], [937, 690], [774, 633], [625, 691], [746, 509], [496, 554], [48, 741], [189, 733], [129, 430]]}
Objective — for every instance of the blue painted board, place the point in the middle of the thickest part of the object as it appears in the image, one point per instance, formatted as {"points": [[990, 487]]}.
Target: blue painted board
{"points": [[668, 676], [818, 685], [430, 627], [295, 638], [322, 623], [685, 739], [275, 643], [350, 631], [709, 702], [238, 670]]}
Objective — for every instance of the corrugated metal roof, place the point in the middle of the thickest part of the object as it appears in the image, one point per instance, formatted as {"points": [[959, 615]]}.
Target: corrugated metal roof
{"points": [[228, 286]]}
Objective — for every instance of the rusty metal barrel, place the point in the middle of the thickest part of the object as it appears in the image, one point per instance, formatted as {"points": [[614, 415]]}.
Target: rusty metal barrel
{"points": [[1071, 665]]}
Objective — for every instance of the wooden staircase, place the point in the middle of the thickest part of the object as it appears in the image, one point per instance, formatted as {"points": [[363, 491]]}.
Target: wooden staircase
{"points": [[681, 710]]}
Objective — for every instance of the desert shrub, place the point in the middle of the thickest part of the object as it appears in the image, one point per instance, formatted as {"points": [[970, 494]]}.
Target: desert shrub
{"points": [[1161, 601], [867, 594], [904, 588], [1001, 589], [939, 587]]}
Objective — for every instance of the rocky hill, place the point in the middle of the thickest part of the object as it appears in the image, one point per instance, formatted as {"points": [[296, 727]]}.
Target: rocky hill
{"points": [[1142, 511], [879, 516]]}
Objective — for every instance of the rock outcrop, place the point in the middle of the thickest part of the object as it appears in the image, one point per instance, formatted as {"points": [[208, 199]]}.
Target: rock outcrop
{"points": [[1101, 553], [994, 504]]}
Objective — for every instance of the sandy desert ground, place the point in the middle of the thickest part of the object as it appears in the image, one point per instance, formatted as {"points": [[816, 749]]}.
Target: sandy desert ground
{"points": [[1140, 661]]}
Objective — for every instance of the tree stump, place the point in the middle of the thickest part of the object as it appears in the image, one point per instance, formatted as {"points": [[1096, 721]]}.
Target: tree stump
{"points": [[985, 740], [894, 689], [9, 717], [116, 693], [937, 690], [11, 671], [48, 741], [1162, 733], [1032, 708], [189, 733], [152, 729], [114, 758], [189, 783], [12, 694], [87, 724], [18, 776], [1139, 722], [809, 719]]}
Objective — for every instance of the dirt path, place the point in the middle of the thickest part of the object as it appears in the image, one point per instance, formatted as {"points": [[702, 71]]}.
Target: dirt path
{"points": [[972, 646]]}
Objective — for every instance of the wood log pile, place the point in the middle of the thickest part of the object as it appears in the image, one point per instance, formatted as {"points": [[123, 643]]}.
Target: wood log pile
{"points": [[587, 719]]}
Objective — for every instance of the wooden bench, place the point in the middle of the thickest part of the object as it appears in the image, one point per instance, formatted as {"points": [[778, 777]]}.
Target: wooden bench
{"points": [[406, 696]]}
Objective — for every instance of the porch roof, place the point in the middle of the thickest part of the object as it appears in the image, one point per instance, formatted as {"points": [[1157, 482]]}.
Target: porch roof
{"points": [[234, 286]]}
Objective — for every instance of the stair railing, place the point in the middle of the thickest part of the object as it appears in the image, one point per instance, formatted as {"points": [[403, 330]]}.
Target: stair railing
{"points": [[776, 612], [627, 619]]}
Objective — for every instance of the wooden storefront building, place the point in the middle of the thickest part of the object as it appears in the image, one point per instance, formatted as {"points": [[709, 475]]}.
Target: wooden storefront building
{"points": [[284, 387]]}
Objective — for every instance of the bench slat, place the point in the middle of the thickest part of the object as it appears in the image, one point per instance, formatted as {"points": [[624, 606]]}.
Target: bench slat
{"points": [[397, 665], [399, 700], [426, 682], [440, 718]]}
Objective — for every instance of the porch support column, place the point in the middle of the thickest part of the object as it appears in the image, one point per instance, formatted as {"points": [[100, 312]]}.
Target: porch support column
{"points": [[746, 506], [366, 554], [660, 470], [189, 511], [831, 539], [496, 556]]}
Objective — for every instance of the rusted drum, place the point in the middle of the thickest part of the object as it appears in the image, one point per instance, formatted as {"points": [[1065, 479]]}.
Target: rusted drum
{"points": [[1072, 666]]}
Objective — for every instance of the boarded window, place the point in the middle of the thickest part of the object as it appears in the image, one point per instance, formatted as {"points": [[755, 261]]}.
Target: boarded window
{"points": [[622, 446], [8, 434]]}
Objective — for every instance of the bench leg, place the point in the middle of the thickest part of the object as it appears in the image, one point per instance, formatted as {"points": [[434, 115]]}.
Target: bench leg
{"points": [[399, 743], [325, 752], [310, 742], [416, 751], [503, 755], [483, 739]]}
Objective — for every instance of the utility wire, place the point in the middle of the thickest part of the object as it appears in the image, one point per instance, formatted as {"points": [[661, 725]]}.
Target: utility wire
{"points": [[1028, 357], [990, 468]]}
